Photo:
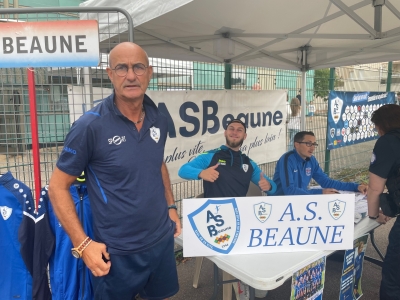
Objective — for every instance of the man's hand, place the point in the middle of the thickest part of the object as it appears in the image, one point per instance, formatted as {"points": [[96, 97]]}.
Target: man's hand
{"points": [[382, 219], [210, 174], [93, 258], [363, 188], [173, 214], [330, 191], [264, 183]]}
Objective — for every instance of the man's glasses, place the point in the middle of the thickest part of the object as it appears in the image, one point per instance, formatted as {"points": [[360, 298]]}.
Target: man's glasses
{"points": [[308, 144], [122, 70]]}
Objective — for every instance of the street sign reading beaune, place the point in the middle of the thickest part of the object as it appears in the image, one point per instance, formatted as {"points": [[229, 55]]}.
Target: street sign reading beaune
{"points": [[49, 44]]}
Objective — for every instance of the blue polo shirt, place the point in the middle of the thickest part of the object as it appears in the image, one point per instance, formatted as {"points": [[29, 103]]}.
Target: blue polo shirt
{"points": [[123, 174]]}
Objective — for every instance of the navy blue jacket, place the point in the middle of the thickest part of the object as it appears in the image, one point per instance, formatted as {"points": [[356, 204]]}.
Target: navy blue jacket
{"points": [[236, 170], [26, 242], [293, 175], [69, 277]]}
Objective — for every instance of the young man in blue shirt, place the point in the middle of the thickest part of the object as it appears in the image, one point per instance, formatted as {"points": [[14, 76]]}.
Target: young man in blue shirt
{"points": [[120, 146], [226, 171], [295, 169]]}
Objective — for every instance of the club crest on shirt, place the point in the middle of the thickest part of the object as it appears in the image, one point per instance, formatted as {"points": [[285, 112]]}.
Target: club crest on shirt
{"points": [[155, 133], [308, 171], [245, 167], [336, 208], [5, 212], [373, 158], [262, 211]]}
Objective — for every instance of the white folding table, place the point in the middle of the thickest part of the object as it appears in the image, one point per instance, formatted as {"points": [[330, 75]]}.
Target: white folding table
{"points": [[268, 271]]}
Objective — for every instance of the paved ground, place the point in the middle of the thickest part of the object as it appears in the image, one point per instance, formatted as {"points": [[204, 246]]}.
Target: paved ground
{"points": [[370, 280]]}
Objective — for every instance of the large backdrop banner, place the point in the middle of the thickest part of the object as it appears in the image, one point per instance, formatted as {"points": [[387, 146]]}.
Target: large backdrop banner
{"points": [[247, 225], [197, 120], [349, 116]]}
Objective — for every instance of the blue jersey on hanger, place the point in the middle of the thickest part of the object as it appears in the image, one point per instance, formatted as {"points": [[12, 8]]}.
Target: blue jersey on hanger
{"points": [[26, 242], [69, 277]]}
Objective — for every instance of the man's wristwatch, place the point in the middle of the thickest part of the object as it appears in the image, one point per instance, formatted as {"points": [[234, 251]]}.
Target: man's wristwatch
{"points": [[374, 218], [77, 251], [173, 206]]}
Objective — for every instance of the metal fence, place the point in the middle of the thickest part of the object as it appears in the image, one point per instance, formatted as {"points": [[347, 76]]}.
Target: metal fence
{"points": [[57, 108]]}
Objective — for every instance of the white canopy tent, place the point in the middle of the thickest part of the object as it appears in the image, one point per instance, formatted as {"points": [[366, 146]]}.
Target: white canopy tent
{"points": [[285, 34]]}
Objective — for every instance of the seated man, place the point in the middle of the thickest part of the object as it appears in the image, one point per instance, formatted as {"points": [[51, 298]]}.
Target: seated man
{"points": [[295, 169], [226, 171]]}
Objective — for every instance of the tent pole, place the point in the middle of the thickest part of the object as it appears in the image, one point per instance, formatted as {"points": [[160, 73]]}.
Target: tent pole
{"points": [[328, 152], [303, 89], [228, 76], [88, 88], [378, 14], [389, 76], [303, 100]]}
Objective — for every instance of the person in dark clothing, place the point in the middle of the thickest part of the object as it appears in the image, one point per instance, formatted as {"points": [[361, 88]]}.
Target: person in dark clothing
{"points": [[226, 171], [298, 96], [120, 146], [385, 170]]}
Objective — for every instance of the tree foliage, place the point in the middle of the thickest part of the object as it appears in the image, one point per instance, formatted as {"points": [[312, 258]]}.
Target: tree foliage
{"points": [[321, 83]]}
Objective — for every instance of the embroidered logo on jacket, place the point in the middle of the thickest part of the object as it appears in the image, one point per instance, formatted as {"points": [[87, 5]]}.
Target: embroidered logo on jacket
{"points": [[308, 171], [245, 167], [5, 212]]}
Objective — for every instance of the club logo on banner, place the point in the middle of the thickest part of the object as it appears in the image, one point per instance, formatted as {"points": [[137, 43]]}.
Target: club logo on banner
{"points": [[262, 211], [336, 108], [217, 224], [336, 208], [332, 132]]}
